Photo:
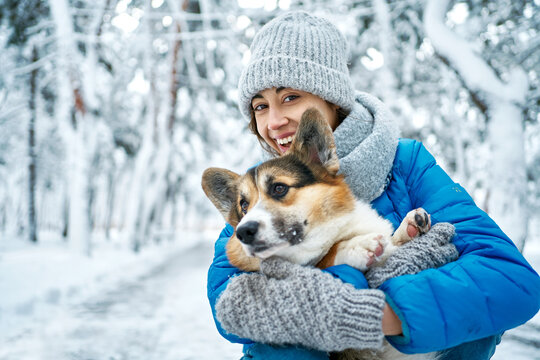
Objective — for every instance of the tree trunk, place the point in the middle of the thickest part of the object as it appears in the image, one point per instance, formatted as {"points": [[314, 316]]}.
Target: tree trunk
{"points": [[32, 225], [143, 162], [387, 82], [502, 104], [71, 111], [156, 152]]}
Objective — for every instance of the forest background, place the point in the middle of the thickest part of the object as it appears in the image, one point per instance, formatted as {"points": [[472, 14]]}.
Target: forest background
{"points": [[111, 109]]}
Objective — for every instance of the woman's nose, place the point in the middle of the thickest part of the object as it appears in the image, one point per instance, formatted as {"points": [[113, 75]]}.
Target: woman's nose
{"points": [[276, 119]]}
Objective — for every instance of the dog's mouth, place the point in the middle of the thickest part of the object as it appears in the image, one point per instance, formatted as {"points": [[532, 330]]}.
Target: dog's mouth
{"points": [[263, 250]]}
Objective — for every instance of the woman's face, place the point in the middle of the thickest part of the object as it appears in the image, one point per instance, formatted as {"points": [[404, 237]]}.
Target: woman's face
{"points": [[278, 112]]}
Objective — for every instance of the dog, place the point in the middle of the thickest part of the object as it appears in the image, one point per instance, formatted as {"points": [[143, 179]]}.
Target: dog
{"points": [[298, 207]]}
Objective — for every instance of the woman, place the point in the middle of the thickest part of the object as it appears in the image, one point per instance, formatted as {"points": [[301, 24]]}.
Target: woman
{"points": [[299, 61]]}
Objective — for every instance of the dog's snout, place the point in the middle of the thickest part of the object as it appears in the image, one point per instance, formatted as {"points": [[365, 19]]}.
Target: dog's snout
{"points": [[246, 233]]}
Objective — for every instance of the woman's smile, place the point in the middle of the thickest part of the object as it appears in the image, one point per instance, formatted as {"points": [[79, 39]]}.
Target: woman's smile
{"points": [[284, 141], [278, 112]]}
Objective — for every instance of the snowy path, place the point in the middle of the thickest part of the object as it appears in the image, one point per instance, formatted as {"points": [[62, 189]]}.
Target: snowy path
{"points": [[164, 314]]}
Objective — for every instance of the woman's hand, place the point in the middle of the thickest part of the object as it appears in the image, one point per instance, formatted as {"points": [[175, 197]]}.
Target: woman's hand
{"points": [[288, 304]]}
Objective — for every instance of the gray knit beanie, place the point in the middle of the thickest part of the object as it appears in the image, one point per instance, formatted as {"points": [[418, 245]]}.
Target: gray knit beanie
{"points": [[302, 52]]}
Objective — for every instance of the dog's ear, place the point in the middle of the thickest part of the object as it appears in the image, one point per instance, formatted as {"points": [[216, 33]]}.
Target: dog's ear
{"points": [[314, 141], [221, 187]]}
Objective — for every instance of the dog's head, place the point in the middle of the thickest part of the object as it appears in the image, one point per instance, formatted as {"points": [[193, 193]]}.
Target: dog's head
{"points": [[281, 206]]}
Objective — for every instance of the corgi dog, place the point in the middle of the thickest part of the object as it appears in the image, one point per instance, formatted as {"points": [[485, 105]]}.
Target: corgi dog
{"points": [[298, 207]]}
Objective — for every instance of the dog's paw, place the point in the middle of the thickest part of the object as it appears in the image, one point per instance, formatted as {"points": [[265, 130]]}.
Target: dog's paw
{"points": [[361, 252], [375, 249], [418, 223]]}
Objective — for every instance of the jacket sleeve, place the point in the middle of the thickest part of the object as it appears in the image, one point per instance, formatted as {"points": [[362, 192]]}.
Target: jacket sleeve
{"points": [[218, 277], [489, 289]]}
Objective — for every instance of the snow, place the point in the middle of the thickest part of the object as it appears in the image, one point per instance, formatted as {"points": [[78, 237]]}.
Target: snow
{"points": [[58, 304]]}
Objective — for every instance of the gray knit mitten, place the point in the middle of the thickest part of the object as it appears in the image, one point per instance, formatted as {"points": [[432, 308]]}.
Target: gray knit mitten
{"points": [[427, 251], [289, 304]]}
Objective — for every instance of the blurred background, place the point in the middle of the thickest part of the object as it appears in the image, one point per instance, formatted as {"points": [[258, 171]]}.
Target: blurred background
{"points": [[111, 109]]}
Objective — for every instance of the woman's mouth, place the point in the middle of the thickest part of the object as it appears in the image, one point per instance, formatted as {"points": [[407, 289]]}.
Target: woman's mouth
{"points": [[284, 143]]}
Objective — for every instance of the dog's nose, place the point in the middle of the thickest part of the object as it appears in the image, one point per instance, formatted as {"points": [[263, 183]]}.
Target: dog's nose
{"points": [[246, 233]]}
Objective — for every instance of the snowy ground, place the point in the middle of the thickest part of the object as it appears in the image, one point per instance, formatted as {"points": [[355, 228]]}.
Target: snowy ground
{"points": [[151, 306], [116, 306]]}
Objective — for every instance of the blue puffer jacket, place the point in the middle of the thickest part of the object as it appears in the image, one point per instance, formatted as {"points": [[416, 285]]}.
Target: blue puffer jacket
{"points": [[489, 289]]}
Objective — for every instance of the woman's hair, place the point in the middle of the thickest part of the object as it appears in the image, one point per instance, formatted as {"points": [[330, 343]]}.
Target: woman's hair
{"points": [[340, 112], [253, 128]]}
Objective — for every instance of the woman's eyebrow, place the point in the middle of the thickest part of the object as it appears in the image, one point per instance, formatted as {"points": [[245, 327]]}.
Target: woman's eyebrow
{"points": [[259, 96]]}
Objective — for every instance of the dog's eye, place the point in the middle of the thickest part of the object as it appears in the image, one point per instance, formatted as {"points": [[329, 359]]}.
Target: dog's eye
{"points": [[244, 206], [279, 190]]}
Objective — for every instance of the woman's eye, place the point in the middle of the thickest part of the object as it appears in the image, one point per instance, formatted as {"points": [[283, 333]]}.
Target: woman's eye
{"points": [[244, 206], [290, 98], [259, 107], [279, 190]]}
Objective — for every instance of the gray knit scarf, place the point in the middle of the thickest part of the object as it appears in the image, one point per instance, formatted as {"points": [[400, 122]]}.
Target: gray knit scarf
{"points": [[366, 143]]}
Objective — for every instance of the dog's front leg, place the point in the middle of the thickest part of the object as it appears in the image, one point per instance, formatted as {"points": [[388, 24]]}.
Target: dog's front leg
{"points": [[361, 251], [417, 222]]}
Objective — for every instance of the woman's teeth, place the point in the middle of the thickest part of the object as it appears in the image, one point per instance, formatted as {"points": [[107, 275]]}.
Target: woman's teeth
{"points": [[285, 141]]}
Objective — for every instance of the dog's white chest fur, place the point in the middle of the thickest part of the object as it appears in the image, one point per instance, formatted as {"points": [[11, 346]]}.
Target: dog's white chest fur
{"points": [[357, 231]]}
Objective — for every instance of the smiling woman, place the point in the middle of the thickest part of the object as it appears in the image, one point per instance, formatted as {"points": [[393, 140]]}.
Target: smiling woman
{"points": [[276, 113], [299, 61]]}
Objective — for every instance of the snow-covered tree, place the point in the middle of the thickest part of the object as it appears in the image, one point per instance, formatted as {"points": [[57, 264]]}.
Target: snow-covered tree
{"points": [[502, 102], [26, 25], [133, 99]]}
